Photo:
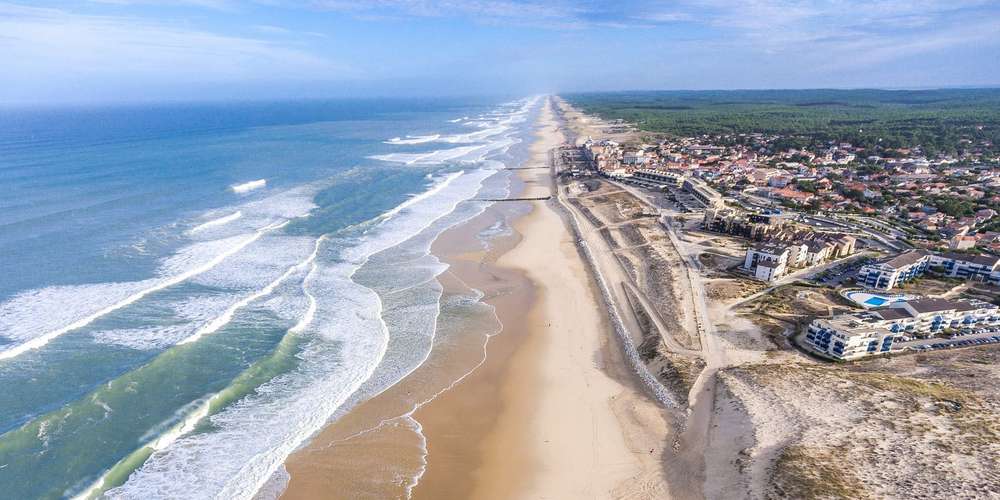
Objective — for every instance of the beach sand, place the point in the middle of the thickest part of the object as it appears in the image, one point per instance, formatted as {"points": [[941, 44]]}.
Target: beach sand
{"points": [[544, 409]]}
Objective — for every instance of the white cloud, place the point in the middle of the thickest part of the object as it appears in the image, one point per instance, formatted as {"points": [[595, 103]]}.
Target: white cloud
{"points": [[41, 44]]}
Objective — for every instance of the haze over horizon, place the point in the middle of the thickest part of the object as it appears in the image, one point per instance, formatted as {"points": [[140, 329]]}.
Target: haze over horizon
{"points": [[124, 50]]}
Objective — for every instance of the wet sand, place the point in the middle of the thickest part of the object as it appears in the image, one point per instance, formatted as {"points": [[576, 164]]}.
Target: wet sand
{"points": [[548, 409]]}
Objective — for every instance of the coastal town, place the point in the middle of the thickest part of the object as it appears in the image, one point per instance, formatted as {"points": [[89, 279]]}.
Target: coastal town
{"points": [[758, 284], [797, 209]]}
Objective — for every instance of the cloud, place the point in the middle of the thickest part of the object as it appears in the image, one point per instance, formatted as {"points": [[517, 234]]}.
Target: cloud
{"points": [[224, 5], [555, 15], [666, 17], [271, 29], [43, 45]]}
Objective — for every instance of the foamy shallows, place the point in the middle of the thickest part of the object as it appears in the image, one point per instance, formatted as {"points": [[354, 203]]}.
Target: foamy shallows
{"points": [[249, 186], [347, 339], [254, 328], [32, 319]]}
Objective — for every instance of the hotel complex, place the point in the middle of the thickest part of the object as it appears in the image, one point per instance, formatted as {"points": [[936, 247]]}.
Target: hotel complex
{"points": [[894, 271], [856, 335]]}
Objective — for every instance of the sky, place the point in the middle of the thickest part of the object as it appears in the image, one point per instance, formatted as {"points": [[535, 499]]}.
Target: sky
{"points": [[112, 50]]}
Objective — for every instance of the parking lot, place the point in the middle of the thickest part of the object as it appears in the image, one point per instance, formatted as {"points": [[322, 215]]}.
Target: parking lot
{"points": [[837, 275], [982, 336]]}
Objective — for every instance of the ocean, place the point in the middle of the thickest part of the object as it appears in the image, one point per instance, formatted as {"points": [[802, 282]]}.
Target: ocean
{"points": [[190, 291]]}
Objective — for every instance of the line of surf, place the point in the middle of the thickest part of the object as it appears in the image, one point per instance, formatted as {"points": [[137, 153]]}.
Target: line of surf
{"points": [[310, 313], [437, 188], [44, 339], [413, 139], [218, 222]]}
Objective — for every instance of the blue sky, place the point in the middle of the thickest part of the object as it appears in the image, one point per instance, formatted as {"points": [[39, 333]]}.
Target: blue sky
{"points": [[196, 49]]}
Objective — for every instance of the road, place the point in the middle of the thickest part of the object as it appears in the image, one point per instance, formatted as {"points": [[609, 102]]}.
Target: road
{"points": [[797, 275], [692, 443]]}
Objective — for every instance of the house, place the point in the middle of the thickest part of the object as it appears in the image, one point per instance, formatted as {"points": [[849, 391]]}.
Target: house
{"points": [[962, 242], [634, 158], [817, 252], [792, 195], [797, 254], [843, 246]]}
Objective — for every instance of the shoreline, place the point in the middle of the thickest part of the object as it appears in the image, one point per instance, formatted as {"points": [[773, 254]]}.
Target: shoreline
{"points": [[549, 409]]}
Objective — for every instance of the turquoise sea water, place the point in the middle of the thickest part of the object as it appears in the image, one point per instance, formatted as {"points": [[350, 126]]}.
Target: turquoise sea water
{"points": [[191, 290]]}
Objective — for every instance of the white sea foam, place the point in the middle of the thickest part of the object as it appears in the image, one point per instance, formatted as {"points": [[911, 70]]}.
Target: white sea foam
{"points": [[227, 316], [473, 153], [45, 338], [422, 196], [34, 318], [431, 157], [144, 338], [348, 339], [217, 222], [413, 139], [33, 313], [477, 136], [310, 313], [249, 186]]}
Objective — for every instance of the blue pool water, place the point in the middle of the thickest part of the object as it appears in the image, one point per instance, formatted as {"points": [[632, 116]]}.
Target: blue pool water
{"points": [[876, 301]]}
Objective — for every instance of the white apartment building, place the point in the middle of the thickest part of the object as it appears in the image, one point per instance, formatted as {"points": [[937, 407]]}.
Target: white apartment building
{"points": [[766, 262], [856, 335], [894, 271]]}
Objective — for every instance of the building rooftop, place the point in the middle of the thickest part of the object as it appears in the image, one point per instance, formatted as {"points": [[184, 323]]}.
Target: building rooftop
{"points": [[905, 259], [769, 248], [891, 313], [931, 305], [982, 259]]}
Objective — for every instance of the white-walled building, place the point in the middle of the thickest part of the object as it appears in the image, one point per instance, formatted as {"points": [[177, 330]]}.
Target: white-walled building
{"points": [[855, 335], [766, 262], [894, 271]]}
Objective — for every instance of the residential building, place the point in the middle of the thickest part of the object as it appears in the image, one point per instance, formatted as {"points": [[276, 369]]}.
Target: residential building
{"points": [[856, 335], [657, 178], [968, 266], [766, 262], [705, 194], [891, 272], [894, 271]]}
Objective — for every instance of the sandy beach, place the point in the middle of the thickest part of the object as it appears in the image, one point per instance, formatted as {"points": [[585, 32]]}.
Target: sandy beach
{"points": [[546, 408]]}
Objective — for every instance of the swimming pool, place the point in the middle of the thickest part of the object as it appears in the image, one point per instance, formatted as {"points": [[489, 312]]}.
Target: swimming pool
{"points": [[876, 301], [870, 300]]}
